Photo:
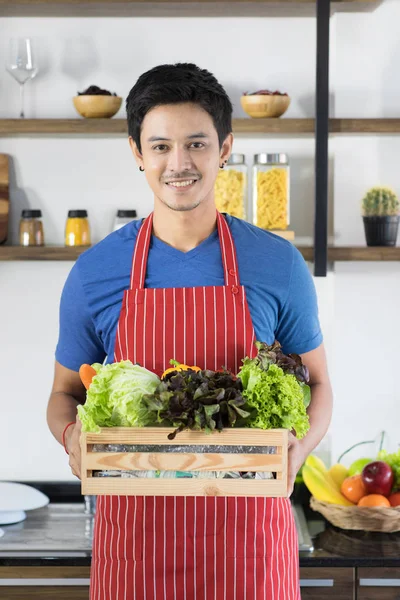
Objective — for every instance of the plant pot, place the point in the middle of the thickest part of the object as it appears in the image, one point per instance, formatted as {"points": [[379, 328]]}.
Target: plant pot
{"points": [[381, 231]]}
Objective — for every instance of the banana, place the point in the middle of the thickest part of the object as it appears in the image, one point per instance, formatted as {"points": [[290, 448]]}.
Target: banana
{"points": [[316, 462], [338, 473], [322, 488]]}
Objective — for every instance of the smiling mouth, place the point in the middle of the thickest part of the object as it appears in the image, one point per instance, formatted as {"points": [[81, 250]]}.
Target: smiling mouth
{"points": [[179, 185]]}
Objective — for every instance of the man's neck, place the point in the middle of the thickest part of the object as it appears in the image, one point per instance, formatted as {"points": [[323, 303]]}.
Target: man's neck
{"points": [[184, 230]]}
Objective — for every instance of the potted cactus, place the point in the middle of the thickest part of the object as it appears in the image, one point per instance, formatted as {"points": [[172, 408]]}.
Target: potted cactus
{"points": [[381, 216]]}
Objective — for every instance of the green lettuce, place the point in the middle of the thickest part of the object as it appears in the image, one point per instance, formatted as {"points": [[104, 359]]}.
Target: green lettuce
{"points": [[114, 398], [278, 398]]}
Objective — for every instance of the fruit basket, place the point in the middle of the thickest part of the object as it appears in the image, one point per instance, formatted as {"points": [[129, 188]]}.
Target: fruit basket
{"points": [[148, 449], [363, 497], [378, 518]]}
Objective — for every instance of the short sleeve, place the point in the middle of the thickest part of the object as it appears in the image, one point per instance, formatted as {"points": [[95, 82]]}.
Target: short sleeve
{"points": [[298, 328], [78, 341]]}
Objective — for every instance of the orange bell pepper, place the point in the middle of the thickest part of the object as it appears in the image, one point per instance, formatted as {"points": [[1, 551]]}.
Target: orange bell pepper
{"points": [[179, 367]]}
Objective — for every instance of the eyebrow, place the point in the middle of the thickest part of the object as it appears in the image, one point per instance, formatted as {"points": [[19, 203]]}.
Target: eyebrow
{"points": [[156, 138]]}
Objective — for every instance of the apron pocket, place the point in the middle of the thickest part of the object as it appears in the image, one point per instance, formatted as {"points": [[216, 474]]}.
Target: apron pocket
{"points": [[261, 528], [209, 515], [259, 578], [118, 533], [247, 535]]}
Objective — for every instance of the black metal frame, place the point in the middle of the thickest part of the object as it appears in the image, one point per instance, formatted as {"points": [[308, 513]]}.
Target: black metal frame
{"points": [[321, 139]]}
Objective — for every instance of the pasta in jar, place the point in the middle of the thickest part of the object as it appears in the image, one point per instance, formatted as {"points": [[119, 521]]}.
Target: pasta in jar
{"points": [[271, 192], [231, 186]]}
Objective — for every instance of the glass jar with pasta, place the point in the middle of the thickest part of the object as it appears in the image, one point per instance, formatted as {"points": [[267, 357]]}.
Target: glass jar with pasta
{"points": [[271, 191], [231, 187]]}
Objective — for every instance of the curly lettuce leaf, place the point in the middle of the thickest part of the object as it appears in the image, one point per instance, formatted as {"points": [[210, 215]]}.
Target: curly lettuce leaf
{"points": [[278, 398], [114, 398]]}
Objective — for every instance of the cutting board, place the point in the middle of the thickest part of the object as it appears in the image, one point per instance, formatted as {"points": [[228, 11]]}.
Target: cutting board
{"points": [[4, 199]]}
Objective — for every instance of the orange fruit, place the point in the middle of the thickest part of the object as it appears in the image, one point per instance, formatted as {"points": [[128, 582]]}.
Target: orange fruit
{"points": [[353, 488], [374, 500], [394, 499]]}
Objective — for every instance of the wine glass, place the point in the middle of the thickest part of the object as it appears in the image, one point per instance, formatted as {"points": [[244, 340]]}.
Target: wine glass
{"points": [[21, 64]]}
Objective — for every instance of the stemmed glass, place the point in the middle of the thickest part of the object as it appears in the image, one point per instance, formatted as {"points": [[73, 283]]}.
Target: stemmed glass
{"points": [[21, 64]]}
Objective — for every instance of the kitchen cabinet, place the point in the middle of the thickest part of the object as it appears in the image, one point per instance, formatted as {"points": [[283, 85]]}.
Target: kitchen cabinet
{"points": [[327, 582], [44, 583], [378, 583]]}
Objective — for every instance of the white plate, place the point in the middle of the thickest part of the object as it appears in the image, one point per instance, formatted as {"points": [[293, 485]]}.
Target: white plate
{"points": [[7, 517], [20, 497]]}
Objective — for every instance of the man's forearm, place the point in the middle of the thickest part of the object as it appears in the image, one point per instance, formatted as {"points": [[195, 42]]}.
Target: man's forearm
{"points": [[320, 413], [61, 410]]}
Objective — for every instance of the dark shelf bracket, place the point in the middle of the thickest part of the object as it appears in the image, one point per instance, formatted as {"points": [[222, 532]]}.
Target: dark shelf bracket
{"points": [[321, 140]]}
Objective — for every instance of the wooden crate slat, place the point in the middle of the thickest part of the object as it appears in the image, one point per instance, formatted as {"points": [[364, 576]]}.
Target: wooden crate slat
{"points": [[186, 461], [182, 461], [184, 487], [158, 435]]}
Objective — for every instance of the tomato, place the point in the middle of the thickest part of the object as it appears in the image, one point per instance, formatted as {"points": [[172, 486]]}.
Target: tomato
{"points": [[394, 499]]}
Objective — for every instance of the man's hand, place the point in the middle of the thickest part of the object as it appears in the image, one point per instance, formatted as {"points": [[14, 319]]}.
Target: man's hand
{"points": [[72, 443], [297, 457]]}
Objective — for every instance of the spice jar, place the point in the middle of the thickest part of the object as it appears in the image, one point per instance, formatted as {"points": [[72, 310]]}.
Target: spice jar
{"points": [[31, 228], [77, 230], [271, 191], [231, 187], [123, 218]]}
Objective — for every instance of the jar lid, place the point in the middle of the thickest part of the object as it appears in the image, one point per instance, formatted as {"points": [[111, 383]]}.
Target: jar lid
{"points": [[127, 214], [271, 159], [28, 213], [73, 214], [236, 159]]}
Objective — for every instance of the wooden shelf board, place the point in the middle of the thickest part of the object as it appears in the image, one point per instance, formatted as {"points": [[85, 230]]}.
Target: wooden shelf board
{"points": [[246, 126], [39, 253], [178, 8], [59, 253], [364, 126], [356, 253]]}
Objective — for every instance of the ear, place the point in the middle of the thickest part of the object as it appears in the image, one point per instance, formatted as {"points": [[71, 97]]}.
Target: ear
{"points": [[226, 149], [135, 151]]}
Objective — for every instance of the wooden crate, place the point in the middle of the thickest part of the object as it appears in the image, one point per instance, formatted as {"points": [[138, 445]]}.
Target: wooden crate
{"points": [[185, 461]]}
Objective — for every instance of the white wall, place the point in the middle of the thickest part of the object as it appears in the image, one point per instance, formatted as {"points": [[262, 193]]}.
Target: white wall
{"points": [[358, 302]]}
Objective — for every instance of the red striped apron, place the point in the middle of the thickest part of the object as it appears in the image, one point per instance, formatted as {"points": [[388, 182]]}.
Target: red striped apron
{"points": [[191, 548]]}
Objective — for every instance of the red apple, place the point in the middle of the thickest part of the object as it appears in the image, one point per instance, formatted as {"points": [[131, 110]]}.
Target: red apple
{"points": [[378, 478]]}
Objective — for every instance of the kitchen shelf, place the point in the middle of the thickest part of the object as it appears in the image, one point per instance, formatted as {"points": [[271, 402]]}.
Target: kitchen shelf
{"points": [[40, 253], [246, 126], [335, 254], [356, 253], [177, 8]]}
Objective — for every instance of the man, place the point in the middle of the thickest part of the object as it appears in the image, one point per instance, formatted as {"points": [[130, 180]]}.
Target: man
{"points": [[201, 287]]}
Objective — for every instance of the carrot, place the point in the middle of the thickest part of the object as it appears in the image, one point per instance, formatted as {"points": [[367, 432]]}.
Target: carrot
{"points": [[86, 373]]}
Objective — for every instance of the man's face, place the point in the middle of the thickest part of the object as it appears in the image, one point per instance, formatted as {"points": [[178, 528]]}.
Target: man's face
{"points": [[181, 155]]}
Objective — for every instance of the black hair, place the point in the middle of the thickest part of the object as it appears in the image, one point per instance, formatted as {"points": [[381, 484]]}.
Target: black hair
{"points": [[176, 84]]}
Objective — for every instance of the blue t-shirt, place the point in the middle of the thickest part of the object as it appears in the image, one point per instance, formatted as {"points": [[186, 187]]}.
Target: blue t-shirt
{"points": [[279, 288]]}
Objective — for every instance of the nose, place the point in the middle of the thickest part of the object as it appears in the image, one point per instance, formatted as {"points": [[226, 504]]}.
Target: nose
{"points": [[179, 160]]}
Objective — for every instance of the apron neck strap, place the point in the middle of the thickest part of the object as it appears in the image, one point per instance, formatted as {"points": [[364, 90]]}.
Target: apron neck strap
{"points": [[142, 245]]}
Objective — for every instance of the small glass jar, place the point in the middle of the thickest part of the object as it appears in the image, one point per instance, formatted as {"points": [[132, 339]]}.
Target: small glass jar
{"points": [[123, 218], [77, 230], [271, 191], [231, 187], [31, 228]]}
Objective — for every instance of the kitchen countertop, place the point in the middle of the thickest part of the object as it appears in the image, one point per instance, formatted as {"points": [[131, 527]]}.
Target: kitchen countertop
{"points": [[61, 534]]}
